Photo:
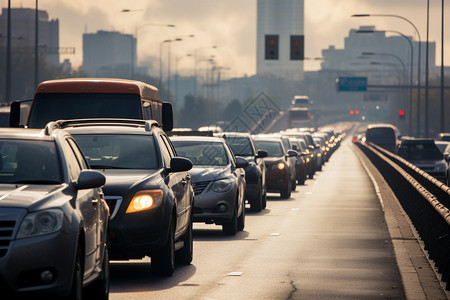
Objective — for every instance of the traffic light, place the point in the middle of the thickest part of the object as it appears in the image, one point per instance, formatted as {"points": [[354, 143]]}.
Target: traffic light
{"points": [[297, 47], [401, 114], [271, 46]]}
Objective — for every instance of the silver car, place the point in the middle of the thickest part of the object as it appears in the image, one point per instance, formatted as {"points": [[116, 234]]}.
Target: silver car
{"points": [[218, 179]]}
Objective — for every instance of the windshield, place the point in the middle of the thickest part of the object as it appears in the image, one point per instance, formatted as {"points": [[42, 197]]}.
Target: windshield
{"points": [[380, 133], [424, 151], [240, 146], [273, 148], [119, 151], [28, 161], [202, 153], [53, 107]]}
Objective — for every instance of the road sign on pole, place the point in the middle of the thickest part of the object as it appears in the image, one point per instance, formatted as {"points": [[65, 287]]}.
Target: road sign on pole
{"points": [[352, 84]]}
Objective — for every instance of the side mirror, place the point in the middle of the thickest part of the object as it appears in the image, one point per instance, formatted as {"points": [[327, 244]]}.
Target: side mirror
{"points": [[14, 114], [89, 179], [262, 154], [292, 153], [180, 164], [241, 162], [167, 116]]}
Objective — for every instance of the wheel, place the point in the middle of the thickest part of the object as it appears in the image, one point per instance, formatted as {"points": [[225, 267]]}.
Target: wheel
{"points": [[163, 261], [293, 185], [264, 201], [256, 204], [99, 289], [76, 291], [184, 255], [231, 227], [241, 220], [311, 176], [286, 193], [301, 181]]}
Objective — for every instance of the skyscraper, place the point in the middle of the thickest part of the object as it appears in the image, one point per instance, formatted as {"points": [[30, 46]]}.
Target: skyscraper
{"points": [[280, 38]]}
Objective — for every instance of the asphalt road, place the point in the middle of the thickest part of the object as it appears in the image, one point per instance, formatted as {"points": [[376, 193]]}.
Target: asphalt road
{"points": [[330, 240]]}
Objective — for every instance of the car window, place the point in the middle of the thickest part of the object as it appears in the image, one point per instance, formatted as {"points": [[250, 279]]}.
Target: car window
{"points": [[202, 153], [78, 154], [380, 132], [240, 146], [273, 148], [285, 142], [29, 162], [425, 151], [73, 165], [118, 151]]}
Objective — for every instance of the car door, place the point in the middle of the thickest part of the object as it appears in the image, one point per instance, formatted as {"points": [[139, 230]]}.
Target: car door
{"points": [[86, 204], [178, 182]]}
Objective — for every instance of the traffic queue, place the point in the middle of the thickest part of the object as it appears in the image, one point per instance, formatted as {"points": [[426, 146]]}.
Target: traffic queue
{"points": [[120, 186]]}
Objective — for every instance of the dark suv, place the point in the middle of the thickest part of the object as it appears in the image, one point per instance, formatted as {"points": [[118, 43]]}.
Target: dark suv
{"points": [[148, 189], [255, 173], [53, 218]]}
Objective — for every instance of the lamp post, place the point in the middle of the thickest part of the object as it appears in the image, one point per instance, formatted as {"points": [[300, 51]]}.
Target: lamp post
{"points": [[169, 58], [442, 71], [419, 62], [176, 73], [195, 65], [390, 55], [8, 56], [36, 47], [136, 30], [410, 67]]}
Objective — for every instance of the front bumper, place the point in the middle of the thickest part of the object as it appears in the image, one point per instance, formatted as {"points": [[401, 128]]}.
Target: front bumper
{"points": [[28, 258], [215, 208]]}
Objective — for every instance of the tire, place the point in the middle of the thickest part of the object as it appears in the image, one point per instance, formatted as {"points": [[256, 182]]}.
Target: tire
{"points": [[184, 255], [264, 201], [293, 185], [257, 204], [76, 291], [231, 227], [311, 176], [99, 289], [163, 261], [286, 193], [301, 181], [241, 220]]}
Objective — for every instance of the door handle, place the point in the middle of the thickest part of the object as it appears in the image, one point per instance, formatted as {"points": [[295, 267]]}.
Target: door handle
{"points": [[184, 181], [94, 201]]}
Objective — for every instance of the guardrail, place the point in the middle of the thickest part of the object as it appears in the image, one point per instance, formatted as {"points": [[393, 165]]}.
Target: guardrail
{"points": [[425, 199]]}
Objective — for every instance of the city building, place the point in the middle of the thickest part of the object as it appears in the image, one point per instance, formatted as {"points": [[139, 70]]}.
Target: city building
{"points": [[280, 38], [23, 33], [109, 54]]}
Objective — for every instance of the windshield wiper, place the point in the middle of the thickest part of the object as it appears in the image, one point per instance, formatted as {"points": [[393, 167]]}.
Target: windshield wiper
{"points": [[35, 181], [106, 167]]}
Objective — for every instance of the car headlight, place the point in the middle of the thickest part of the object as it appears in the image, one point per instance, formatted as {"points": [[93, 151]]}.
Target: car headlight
{"points": [[144, 200], [441, 167], [221, 186], [40, 223]]}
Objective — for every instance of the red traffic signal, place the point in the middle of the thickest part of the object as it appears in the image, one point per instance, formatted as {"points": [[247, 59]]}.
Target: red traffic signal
{"points": [[352, 112], [401, 113]]}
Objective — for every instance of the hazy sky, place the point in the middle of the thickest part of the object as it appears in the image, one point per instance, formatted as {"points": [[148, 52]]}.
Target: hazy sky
{"points": [[231, 25]]}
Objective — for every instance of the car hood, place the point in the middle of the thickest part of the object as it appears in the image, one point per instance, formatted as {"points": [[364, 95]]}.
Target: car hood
{"points": [[25, 196], [208, 173], [119, 182]]}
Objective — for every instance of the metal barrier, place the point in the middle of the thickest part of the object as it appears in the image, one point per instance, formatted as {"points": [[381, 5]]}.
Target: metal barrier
{"points": [[425, 199]]}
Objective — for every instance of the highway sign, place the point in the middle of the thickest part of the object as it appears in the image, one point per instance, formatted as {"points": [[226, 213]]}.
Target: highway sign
{"points": [[352, 84]]}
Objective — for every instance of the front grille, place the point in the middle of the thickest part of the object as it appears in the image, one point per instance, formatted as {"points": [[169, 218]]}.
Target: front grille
{"points": [[199, 187], [6, 232], [114, 205]]}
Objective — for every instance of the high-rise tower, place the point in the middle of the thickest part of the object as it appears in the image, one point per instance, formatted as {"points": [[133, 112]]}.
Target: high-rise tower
{"points": [[280, 38]]}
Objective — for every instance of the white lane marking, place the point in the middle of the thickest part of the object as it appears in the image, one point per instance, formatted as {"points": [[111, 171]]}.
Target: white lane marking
{"points": [[295, 209], [235, 274], [308, 193], [275, 234]]}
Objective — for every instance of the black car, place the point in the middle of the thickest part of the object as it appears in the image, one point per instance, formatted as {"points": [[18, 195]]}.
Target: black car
{"points": [[255, 173], [218, 178], [53, 218], [148, 189]]}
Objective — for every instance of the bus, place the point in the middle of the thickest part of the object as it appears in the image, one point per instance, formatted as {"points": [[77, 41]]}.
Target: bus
{"points": [[83, 98]]}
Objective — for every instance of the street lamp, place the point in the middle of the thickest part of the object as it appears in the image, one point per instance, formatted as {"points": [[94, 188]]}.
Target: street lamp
{"points": [[410, 67], [420, 46], [195, 65], [160, 58], [176, 73], [169, 58], [389, 55]]}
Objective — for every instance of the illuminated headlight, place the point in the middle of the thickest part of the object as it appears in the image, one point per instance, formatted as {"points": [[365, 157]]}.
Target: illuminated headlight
{"points": [[328, 148], [40, 223], [307, 159], [221, 186], [144, 200], [319, 154]]}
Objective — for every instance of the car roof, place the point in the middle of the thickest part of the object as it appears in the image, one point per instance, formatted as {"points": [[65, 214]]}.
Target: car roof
{"points": [[242, 134], [25, 134], [102, 126], [380, 125], [198, 138], [267, 138]]}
